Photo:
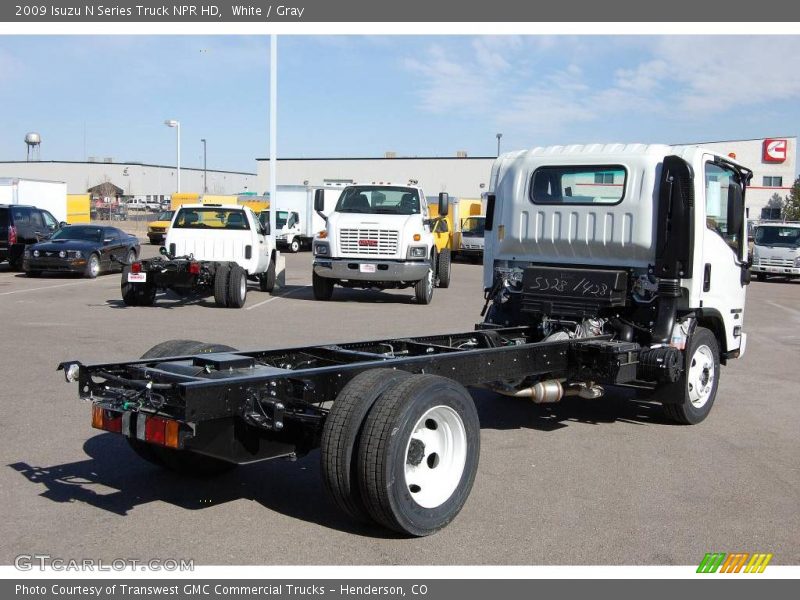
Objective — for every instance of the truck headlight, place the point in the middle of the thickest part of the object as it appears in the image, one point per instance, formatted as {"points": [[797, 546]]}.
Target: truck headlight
{"points": [[417, 252], [797, 262], [321, 249]]}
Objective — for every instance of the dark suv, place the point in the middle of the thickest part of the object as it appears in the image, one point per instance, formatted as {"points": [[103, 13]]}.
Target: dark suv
{"points": [[22, 225]]}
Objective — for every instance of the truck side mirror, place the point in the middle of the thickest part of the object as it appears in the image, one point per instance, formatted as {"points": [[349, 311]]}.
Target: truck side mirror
{"points": [[319, 200], [444, 204], [489, 223], [265, 228], [735, 210]]}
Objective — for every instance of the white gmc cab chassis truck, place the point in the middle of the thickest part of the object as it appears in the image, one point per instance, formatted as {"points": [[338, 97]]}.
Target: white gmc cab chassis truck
{"points": [[378, 236], [604, 266], [210, 248]]}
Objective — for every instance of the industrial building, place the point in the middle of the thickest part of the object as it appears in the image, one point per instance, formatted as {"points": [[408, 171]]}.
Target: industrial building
{"points": [[773, 160], [134, 179]]}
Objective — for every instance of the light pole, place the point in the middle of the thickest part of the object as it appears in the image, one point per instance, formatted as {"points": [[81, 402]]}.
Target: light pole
{"points": [[177, 126], [205, 170], [499, 135]]}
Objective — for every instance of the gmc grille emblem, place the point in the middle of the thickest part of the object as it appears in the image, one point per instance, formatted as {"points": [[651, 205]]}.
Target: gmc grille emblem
{"points": [[367, 242]]}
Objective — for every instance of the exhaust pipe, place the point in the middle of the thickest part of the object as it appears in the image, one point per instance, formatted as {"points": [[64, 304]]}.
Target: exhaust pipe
{"points": [[551, 391]]}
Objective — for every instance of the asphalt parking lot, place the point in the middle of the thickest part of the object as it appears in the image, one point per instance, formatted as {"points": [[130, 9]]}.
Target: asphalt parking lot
{"points": [[606, 481]]}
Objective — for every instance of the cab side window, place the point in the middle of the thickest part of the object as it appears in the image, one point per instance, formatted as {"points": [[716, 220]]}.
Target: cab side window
{"points": [[49, 221], [720, 181]]}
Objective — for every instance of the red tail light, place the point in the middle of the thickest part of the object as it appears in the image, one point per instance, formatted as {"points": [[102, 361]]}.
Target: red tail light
{"points": [[108, 420], [136, 267], [12, 235], [194, 268]]}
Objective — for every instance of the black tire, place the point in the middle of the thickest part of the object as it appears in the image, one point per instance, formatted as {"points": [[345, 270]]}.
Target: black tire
{"points": [[33, 273], [266, 281], [92, 266], [680, 400], [341, 434], [136, 294], [294, 246], [237, 287], [761, 276], [443, 268], [323, 287], [423, 289], [181, 461], [221, 277], [386, 448]]}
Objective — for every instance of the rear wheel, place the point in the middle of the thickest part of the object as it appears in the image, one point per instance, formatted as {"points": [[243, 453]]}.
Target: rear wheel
{"points": [[418, 454], [323, 287], [443, 268], [689, 400], [136, 294], [237, 287], [221, 277], [342, 432], [423, 289]]}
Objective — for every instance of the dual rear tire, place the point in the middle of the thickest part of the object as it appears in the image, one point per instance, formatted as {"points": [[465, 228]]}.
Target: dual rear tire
{"points": [[230, 286], [401, 450]]}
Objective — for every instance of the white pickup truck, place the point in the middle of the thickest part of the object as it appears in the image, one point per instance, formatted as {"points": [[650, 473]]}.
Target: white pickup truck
{"points": [[378, 236], [210, 248]]}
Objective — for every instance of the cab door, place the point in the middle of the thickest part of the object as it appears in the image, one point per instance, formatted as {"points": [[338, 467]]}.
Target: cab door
{"points": [[724, 249], [441, 234], [263, 247]]}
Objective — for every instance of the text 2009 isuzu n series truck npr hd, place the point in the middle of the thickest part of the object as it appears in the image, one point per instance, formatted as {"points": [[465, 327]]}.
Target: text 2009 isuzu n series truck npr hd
{"points": [[590, 282]]}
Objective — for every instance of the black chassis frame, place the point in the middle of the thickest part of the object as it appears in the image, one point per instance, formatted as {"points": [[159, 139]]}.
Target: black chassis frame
{"points": [[279, 409], [174, 273]]}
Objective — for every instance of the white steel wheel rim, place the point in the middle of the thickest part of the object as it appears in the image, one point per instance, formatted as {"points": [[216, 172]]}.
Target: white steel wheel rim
{"points": [[435, 456], [242, 286], [94, 265], [701, 375]]}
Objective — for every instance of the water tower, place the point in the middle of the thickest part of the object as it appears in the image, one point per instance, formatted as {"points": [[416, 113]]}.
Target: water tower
{"points": [[33, 141]]}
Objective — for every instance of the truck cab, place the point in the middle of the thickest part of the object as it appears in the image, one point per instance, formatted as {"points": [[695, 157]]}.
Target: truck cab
{"points": [[776, 250], [645, 243], [377, 236]]}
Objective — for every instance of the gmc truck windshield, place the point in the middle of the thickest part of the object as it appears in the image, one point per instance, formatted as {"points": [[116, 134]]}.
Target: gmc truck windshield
{"points": [[379, 200], [783, 237]]}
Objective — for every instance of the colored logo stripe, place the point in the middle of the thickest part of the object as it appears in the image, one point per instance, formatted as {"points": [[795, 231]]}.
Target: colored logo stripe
{"points": [[734, 563]]}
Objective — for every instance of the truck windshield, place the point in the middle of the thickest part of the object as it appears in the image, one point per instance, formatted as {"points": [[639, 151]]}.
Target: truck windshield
{"points": [[784, 237], [87, 234], [379, 200], [474, 226], [280, 218], [211, 218]]}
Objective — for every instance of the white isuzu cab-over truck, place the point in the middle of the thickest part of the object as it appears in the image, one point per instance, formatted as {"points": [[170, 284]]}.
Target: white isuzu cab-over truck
{"points": [[378, 236], [604, 265]]}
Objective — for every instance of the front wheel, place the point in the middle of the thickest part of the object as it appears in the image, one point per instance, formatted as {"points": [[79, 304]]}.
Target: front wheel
{"points": [[418, 454], [689, 400], [92, 266], [323, 287], [423, 289], [266, 281], [294, 246]]}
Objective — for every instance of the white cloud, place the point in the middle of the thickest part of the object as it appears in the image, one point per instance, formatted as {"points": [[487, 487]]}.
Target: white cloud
{"points": [[543, 85]]}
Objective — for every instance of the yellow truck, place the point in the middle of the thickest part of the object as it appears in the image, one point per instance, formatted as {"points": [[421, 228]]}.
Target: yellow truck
{"points": [[461, 230]]}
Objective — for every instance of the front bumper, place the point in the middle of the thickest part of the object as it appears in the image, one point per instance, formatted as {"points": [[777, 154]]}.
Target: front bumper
{"points": [[65, 265], [361, 270], [775, 270]]}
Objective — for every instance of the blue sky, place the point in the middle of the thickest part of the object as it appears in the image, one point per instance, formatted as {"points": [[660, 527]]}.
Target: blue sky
{"points": [[364, 95]]}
